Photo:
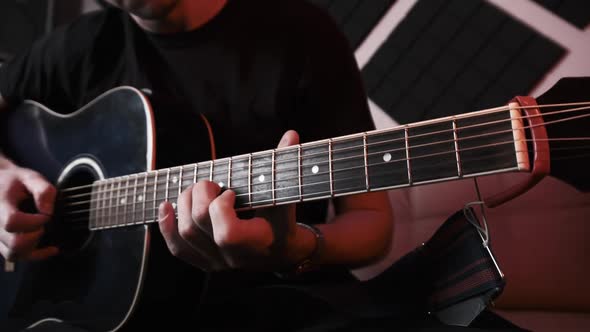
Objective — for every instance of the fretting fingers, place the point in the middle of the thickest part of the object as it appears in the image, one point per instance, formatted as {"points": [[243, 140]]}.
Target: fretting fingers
{"points": [[202, 194], [176, 244], [230, 232]]}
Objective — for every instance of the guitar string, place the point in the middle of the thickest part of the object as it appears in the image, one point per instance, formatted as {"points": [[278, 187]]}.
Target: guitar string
{"points": [[396, 171], [296, 198], [254, 175], [389, 173], [384, 131], [152, 208], [150, 185]]}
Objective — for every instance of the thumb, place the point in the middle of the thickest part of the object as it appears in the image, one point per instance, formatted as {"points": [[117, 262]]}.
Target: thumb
{"points": [[290, 137]]}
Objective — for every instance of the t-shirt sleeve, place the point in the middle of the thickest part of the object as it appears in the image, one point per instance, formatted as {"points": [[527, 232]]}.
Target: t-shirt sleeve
{"points": [[37, 73], [333, 101]]}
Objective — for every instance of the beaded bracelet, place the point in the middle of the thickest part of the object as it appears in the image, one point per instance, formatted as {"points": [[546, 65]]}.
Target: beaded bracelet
{"points": [[310, 262]]}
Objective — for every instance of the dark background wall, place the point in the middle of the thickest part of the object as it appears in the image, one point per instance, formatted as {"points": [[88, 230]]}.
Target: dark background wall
{"points": [[452, 56]]}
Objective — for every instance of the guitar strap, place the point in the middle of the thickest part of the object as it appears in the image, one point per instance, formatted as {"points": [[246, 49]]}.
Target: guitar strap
{"points": [[452, 276]]}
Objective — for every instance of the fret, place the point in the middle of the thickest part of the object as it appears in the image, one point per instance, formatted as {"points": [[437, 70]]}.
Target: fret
{"points": [[432, 151], [457, 157], [101, 204], [155, 193], [330, 167], [229, 165], [211, 171], [261, 178], [174, 185], [273, 174], [111, 217], [105, 203], [240, 175], [387, 159], [123, 200], [408, 160], [187, 177], [485, 146], [126, 216], [167, 183], [180, 175], [315, 170], [287, 186], [160, 189], [134, 199], [221, 171], [299, 172], [149, 213], [141, 197], [250, 180], [203, 171], [106, 207], [349, 165], [93, 220], [196, 169], [365, 157], [118, 204]]}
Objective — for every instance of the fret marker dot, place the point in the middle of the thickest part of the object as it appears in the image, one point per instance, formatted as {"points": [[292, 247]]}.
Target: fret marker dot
{"points": [[174, 179], [221, 184], [123, 201], [261, 178], [315, 169], [387, 157], [174, 206], [139, 198]]}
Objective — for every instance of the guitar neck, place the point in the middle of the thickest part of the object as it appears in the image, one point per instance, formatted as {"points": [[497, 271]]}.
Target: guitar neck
{"points": [[451, 148]]}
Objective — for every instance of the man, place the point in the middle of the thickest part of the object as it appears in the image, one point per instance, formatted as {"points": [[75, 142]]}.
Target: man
{"points": [[258, 70]]}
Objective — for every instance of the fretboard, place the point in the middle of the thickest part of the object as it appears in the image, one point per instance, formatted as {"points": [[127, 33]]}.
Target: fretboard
{"points": [[450, 148]]}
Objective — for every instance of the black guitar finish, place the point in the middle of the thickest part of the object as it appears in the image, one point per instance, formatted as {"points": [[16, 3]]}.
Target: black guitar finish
{"points": [[96, 286]]}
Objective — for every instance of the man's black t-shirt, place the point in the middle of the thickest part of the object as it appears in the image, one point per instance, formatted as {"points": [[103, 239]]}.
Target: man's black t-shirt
{"points": [[257, 69]]}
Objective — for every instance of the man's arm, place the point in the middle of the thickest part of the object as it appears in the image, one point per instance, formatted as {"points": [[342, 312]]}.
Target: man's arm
{"points": [[19, 231]]}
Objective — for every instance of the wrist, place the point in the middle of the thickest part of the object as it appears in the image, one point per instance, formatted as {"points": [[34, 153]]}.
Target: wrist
{"points": [[304, 253]]}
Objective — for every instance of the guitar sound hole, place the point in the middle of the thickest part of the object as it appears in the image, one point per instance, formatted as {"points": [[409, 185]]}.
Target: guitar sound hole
{"points": [[69, 228]]}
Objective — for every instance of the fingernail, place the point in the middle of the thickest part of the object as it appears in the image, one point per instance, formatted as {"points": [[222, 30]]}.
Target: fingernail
{"points": [[283, 140], [161, 215]]}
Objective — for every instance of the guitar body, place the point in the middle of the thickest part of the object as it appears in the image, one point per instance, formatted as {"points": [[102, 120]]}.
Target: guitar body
{"points": [[98, 281]]}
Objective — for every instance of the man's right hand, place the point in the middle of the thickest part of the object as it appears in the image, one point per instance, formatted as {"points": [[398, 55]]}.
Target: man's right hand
{"points": [[20, 231]]}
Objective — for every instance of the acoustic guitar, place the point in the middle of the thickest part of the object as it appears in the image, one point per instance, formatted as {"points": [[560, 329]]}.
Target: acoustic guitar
{"points": [[101, 158]]}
